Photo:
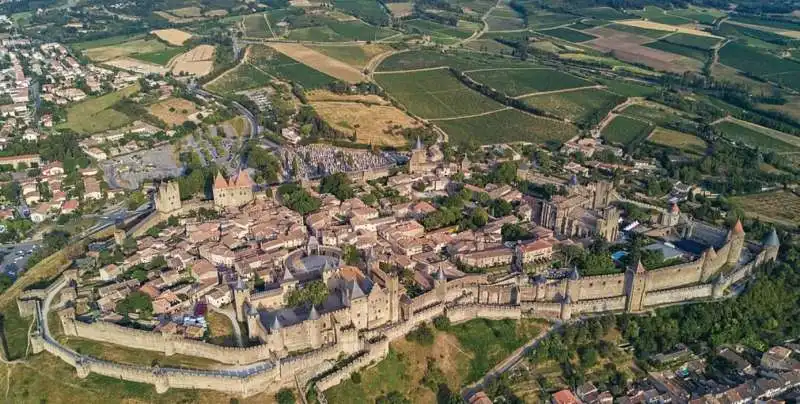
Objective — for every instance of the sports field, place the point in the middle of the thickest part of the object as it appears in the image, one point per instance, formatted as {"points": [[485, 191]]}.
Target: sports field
{"points": [[520, 81], [435, 94], [508, 125]]}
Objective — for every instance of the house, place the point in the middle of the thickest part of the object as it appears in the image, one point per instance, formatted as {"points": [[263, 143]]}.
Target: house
{"points": [[69, 206], [53, 168], [91, 188], [110, 272], [40, 213], [564, 397]]}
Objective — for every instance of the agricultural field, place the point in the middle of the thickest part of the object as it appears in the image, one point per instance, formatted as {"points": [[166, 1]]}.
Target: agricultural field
{"points": [[96, 115], [758, 136], [198, 61], [702, 15], [489, 46], [516, 82], [340, 31], [320, 62], [368, 10], [624, 130], [576, 105], [440, 33], [781, 207], [400, 10], [569, 35], [657, 114], [326, 95], [791, 108], [255, 26], [678, 140], [603, 13], [692, 46], [174, 37], [161, 57], [722, 72], [434, 94], [768, 22], [371, 124], [173, 111], [541, 19], [474, 7], [629, 44], [751, 60], [637, 30], [628, 88], [655, 14], [99, 43], [281, 66], [508, 125], [425, 59], [692, 41], [655, 26], [354, 55], [694, 53], [133, 47], [242, 77], [504, 19]]}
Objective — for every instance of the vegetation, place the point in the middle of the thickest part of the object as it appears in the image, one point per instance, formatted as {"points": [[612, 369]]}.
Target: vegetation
{"points": [[508, 125], [96, 115], [625, 130], [138, 303], [298, 199], [517, 82], [569, 34], [338, 185]]}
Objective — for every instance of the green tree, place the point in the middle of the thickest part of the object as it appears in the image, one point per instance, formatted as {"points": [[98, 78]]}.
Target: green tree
{"points": [[136, 302], [285, 396], [314, 292], [337, 185]]}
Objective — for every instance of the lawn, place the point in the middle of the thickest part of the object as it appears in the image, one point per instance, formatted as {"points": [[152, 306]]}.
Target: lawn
{"points": [[568, 34], [435, 94], [758, 136], [678, 140], [423, 59], [160, 57], [624, 130], [508, 125], [753, 61], [96, 115], [576, 105], [255, 26], [516, 82], [242, 77], [354, 55]]}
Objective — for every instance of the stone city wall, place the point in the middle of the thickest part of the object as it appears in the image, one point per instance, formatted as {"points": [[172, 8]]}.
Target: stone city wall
{"points": [[599, 305], [677, 295]]}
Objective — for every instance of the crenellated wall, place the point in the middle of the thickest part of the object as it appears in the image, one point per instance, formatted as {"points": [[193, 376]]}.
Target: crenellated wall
{"points": [[678, 295]]}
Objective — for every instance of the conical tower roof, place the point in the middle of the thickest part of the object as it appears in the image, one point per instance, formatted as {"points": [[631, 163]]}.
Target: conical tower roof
{"points": [[711, 253], [219, 181], [440, 275], [639, 267], [737, 228], [313, 315], [276, 324], [772, 240]]}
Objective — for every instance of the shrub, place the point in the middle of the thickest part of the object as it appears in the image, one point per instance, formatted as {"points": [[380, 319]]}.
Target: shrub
{"points": [[441, 323], [422, 335], [285, 396]]}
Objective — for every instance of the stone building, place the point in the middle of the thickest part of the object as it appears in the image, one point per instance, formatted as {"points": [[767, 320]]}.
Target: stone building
{"points": [[168, 197], [234, 192], [583, 212]]}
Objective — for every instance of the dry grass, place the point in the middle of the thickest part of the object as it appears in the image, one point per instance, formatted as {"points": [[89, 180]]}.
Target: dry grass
{"points": [[199, 61], [239, 125], [220, 329], [370, 123], [216, 13], [105, 53], [319, 61], [172, 36], [664, 27], [678, 140], [400, 9], [325, 95], [181, 109], [187, 12]]}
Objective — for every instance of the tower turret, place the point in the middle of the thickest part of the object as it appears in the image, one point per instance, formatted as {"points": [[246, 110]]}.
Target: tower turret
{"points": [[736, 240], [241, 295], [772, 244]]}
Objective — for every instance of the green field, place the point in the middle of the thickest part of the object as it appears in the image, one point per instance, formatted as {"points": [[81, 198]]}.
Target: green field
{"points": [[435, 94], [678, 140], [112, 40], [508, 125], [670, 47], [255, 26], [650, 33], [576, 105], [516, 82], [756, 136], [793, 25], [504, 19], [96, 115], [440, 33], [657, 114], [568, 34], [629, 88], [749, 36], [242, 77], [703, 16], [603, 13], [424, 59], [751, 60], [541, 19], [655, 14], [341, 31], [368, 10], [159, 58], [281, 66], [692, 41], [624, 130]]}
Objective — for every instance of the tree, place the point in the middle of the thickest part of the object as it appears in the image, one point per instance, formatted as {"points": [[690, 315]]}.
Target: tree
{"points": [[136, 302], [394, 397], [479, 217], [350, 254], [337, 185], [505, 173], [314, 292], [500, 208], [298, 199], [514, 232], [285, 396]]}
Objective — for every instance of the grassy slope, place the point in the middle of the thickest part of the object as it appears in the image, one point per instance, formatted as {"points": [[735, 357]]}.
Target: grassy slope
{"points": [[95, 114]]}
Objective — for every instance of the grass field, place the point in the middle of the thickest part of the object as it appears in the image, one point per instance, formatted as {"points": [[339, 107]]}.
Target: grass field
{"points": [[460, 356], [96, 115], [758, 136], [655, 14], [161, 57], [602, 13], [624, 130], [354, 55], [656, 114], [568, 34], [423, 59], [112, 40], [516, 82], [650, 33], [692, 41], [286, 68], [678, 140], [371, 124], [503, 19], [685, 45], [173, 111], [780, 207], [255, 26], [134, 47], [340, 31], [753, 61], [435, 94], [369, 10], [576, 105], [768, 22], [242, 77], [541, 19], [508, 125], [701, 15]]}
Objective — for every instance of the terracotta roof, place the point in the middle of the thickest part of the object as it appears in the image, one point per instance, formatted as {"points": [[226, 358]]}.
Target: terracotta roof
{"points": [[243, 180], [220, 182], [737, 228], [640, 268]]}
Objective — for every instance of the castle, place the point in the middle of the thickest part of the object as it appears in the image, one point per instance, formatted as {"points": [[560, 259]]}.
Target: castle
{"points": [[168, 197], [234, 192], [583, 212]]}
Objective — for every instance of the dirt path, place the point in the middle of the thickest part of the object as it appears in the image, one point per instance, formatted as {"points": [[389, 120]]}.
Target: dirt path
{"points": [[376, 61], [613, 114], [565, 90], [225, 73], [720, 120], [414, 70], [477, 34], [453, 118], [716, 49]]}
